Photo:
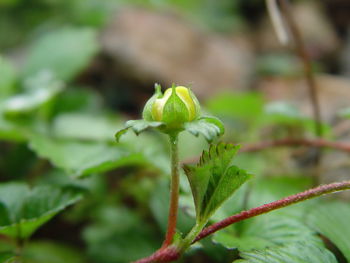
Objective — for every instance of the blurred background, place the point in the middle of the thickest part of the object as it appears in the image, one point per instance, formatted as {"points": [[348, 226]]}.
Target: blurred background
{"points": [[72, 71]]}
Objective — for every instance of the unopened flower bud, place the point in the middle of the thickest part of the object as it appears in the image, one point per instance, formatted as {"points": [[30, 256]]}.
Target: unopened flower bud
{"points": [[177, 106]]}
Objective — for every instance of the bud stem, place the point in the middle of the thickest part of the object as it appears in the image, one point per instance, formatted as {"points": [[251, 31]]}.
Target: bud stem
{"points": [[174, 191]]}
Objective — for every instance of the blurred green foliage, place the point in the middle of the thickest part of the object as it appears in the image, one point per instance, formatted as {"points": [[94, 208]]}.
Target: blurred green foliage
{"points": [[57, 149]]}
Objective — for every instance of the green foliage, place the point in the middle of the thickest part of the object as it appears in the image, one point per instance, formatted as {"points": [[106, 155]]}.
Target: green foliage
{"points": [[5, 257], [45, 251], [279, 228], [210, 127], [246, 106], [301, 252], [279, 65], [266, 232], [159, 205], [138, 126], [8, 78], [213, 180], [47, 113], [82, 158], [118, 235], [331, 219], [23, 209], [39, 90], [85, 126], [65, 52]]}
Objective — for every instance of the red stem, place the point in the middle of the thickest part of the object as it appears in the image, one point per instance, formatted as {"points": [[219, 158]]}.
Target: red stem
{"points": [[174, 192], [292, 199], [170, 253]]}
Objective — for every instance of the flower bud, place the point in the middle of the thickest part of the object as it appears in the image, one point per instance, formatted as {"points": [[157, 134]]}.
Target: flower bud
{"points": [[177, 106]]}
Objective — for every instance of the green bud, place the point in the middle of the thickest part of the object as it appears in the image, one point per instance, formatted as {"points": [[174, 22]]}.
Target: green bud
{"points": [[177, 106]]}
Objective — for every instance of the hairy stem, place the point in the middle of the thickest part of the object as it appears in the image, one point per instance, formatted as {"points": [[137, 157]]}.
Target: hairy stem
{"points": [[172, 253], [293, 199], [174, 191]]}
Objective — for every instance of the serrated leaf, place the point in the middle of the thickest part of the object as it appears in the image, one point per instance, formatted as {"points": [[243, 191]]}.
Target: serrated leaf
{"points": [[332, 221], [65, 52], [213, 180], [302, 252], [83, 158], [27, 209], [138, 126], [210, 127]]}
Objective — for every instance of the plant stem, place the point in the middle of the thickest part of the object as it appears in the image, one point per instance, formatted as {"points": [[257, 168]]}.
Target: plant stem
{"points": [[191, 236], [171, 253], [292, 199], [174, 191]]}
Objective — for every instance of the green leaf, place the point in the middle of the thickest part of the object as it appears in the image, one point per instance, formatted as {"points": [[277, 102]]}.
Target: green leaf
{"points": [[268, 230], [40, 89], [118, 235], [213, 180], [7, 79], [83, 158], [45, 251], [5, 257], [246, 106], [65, 52], [85, 126], [302, 252], [159, 205], [24, 210], [210, 127], [332, 221], [138, 126]]}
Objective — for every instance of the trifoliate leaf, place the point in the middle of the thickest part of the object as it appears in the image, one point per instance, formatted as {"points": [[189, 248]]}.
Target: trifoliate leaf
{"points": [[213, 180], [301, 252], [332, 221], [210, 127], [138, 126]]}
